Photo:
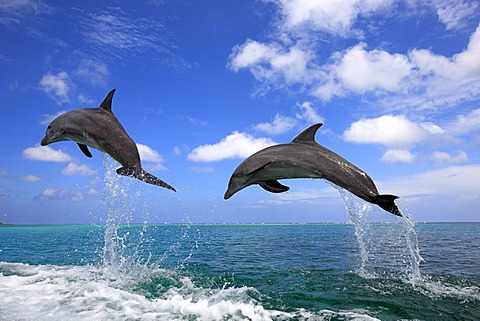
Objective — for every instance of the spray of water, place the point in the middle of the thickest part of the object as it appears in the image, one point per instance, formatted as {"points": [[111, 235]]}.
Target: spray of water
{"points": [[359, 215], [125, 250], [119, 253], [411, 239], [402, 242]]}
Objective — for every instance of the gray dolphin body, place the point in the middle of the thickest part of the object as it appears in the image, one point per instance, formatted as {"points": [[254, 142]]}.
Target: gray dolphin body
{"points": [[304, 158], [100, 129]]}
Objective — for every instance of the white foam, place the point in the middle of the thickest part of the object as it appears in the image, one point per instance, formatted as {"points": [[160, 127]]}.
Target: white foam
{"points": [[50, 292]]}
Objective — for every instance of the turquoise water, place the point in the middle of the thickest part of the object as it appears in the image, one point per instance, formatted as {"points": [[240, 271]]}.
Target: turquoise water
{"points": [[356, 271], [238, 272]]}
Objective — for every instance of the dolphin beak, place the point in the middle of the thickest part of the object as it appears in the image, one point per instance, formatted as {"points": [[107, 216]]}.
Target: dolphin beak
{"points": [[233, 187], [45, 141], [228, 194]]}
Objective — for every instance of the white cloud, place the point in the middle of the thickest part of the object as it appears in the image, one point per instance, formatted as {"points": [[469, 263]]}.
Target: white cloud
{"points": [[177, 150], [51, 193], [148, 154], [93, 72], [389, 130], [46, 153], [21, 8], [31, 178], [416, 80], [48, 118], [454, 13], [446, 158], [77, 169], [308, 113], [279, 125], [333, 16], [282, 124], [158, 167], [466, 123], [271, 63], [57, 86], [115, 34], [453, 181], [235, 145], [398, 155], [359, 70], [250, 54]]}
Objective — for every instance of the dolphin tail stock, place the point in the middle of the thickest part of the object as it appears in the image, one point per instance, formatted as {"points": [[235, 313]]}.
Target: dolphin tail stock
{"points": [[386, 202], [143, 176]]}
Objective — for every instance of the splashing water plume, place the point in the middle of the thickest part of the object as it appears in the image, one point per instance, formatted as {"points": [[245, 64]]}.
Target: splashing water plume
{"points": [[405, 253]]}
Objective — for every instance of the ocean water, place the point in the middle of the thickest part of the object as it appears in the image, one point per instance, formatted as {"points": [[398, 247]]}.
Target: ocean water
{"points": [[356, 271]]}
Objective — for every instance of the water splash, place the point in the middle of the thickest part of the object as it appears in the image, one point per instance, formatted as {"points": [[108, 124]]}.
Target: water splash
{"points": [[402, 242], [411, 239], [119, 254], [126, 248], [359, 215]]}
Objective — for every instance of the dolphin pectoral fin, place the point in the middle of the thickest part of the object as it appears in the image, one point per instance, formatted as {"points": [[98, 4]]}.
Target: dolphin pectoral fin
{"points": [[85, 150], [386, 202], [273, 186], [143, 176]]}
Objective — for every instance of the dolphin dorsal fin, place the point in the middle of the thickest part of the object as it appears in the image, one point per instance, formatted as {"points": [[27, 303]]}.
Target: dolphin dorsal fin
{"points": [[308, 135], [107, 102]]}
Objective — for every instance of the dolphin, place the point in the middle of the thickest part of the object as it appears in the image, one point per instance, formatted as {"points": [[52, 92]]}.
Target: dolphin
{"points": [[100, 129], [305, 158]]}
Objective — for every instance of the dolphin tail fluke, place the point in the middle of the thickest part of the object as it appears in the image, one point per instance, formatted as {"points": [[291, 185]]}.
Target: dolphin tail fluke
{"points": [[386, 202], [144, 177]]}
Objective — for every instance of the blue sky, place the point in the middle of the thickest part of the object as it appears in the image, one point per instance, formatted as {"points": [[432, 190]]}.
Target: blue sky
{"points": [[201, 85]]}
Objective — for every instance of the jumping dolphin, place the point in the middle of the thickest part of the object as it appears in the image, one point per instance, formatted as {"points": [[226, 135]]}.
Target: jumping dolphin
{"points": [[100, 129], [305, 158]]}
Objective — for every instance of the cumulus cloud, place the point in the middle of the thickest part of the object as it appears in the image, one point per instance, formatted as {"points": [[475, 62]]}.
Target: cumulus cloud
{"points": [[148, 154], [418, 79], [398, 155], [388, 130], [333, 16], [271, 63], [358, 70], [305, 115], [46, 153], [235, 145], [57, 86], [77, 169], [279, 125]]}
